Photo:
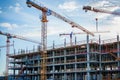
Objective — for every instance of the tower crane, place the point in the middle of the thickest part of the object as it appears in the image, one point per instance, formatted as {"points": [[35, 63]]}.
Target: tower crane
{"points": [[44, 21], [9, 36], [89, 8], [86, 8], [71, 34], [53, 13]]}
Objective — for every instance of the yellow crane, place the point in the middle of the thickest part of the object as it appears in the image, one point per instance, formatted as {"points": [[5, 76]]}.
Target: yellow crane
{"points": [[44, 21]]}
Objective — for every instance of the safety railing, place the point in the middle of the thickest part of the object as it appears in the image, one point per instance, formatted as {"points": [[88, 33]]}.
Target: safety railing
{"points": [[81, 59], [81, 51]]}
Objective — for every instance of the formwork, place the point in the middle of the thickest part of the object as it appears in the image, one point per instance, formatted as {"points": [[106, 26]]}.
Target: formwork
{"points": [[95, 60]]}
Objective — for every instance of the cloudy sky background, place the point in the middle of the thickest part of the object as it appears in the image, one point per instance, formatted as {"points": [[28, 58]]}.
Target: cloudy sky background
{"points": [[17, 18]]}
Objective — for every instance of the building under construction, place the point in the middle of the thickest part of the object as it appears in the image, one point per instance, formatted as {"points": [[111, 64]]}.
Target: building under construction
{"points": [[85, 60]]}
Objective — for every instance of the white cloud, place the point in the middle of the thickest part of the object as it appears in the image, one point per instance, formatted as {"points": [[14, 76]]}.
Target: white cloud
{"points": [[99, 3], [11, 7], [16, 8], [116, 20], [17, 4], [69, 6], [114, 24], [8, 25]]}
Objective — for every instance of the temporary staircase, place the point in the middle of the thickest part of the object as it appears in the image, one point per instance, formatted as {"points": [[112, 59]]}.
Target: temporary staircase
{"points": [[112, 54]]}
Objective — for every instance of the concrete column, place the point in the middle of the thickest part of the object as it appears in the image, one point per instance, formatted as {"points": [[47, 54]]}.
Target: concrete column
{"points": [[75, 65], [65, 56], [14, 69], [75, 76], [65, 42], [65, 75], [88, 59], [118, 50], [53, 64], [53, 44], [100, 67], [33, 77], [75, 40], [75, 72], [38, 77]]}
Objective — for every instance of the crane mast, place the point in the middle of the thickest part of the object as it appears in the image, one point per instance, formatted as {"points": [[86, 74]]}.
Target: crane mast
{"points": [[44, 46], [44, 21], [89, 8]]}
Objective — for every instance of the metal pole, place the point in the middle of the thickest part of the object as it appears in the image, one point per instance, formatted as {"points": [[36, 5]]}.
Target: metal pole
{"points": [[65, 42], [70, 41], [71, 38], [75, 40], [53, 44], [96, 24], [88, 59]]}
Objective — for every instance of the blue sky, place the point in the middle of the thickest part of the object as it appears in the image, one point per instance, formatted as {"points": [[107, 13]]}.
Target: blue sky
{"points": [[17, 18]]}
